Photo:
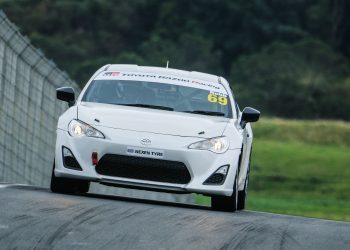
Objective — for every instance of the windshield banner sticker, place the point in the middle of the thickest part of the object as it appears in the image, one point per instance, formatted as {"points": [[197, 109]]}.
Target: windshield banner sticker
{"points": [[216, 88]]}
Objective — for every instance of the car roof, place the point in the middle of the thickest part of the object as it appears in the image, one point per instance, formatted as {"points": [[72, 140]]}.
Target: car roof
{"points": [[159, 70]]}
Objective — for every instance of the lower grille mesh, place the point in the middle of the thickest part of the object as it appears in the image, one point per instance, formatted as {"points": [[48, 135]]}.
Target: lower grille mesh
{"points": [[143, 169]]}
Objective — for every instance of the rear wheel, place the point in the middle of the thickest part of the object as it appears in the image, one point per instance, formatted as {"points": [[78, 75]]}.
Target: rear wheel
{"points": [[67, 185], [224, 203]]}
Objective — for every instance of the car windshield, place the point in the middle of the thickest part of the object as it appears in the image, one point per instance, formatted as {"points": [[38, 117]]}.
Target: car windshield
{"points": [[158, 95]]}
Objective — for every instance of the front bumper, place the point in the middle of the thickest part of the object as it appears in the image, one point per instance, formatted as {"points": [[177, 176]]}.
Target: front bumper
{"points": [[200, 163]]}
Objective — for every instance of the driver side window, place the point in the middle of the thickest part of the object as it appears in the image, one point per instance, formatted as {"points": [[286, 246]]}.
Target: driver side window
{"points": [[235, 104]]}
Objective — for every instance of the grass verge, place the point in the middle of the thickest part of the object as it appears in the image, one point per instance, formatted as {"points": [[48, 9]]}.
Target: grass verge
{"points": [[298, 175]]}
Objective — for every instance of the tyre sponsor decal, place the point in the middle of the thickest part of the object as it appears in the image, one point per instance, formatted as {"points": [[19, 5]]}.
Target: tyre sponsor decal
{"points": [[145, 152]]}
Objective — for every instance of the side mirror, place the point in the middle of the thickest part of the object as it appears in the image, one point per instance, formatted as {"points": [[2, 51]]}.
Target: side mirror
{"points": [[66, 94], [249, 115]]}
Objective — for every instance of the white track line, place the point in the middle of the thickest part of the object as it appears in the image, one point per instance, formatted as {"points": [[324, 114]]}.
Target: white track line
{"points": [[6, 185]]}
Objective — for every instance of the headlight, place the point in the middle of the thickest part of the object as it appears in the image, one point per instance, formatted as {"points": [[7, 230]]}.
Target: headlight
{"points": [[217, 145], [79, 129]]}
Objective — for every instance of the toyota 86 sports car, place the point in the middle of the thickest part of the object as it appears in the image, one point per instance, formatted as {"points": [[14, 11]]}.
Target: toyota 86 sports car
{"points": [[155, 128]]}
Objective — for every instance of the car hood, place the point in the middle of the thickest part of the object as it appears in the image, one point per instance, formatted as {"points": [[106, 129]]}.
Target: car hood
{"points": [[151, 120]]}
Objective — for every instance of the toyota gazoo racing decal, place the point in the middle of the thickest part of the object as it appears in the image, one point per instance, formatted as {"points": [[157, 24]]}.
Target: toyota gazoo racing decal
{"points": [[217, 92]]}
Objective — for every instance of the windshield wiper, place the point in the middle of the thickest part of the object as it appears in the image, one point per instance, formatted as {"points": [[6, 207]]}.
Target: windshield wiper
{"points": [[202, 112], [147, 106]]}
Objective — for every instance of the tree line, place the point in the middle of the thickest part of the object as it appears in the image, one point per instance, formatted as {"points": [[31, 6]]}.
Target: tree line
{"points": [[287, 58]]}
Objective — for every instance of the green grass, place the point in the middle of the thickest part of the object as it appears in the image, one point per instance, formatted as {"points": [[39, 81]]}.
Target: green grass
{"points": [[300, 168], [319, 132]]}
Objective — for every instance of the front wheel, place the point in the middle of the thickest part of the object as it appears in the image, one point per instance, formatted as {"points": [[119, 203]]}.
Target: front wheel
{"points": [[242, 195], [67, 185], [224, 203]]}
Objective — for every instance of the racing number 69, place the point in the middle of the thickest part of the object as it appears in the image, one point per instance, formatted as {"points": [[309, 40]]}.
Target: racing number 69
{"points": [[212, 98], [222, 100]]}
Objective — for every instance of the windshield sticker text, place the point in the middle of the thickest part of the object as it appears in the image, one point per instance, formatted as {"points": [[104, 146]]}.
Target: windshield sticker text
{"points": [[217, 88]]}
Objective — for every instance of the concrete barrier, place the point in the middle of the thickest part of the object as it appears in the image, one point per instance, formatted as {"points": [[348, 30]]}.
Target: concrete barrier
{"points": [[29, 112]]}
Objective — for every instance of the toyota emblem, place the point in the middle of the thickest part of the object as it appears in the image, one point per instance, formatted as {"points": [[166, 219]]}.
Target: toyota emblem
{"points": [[146, 142]]}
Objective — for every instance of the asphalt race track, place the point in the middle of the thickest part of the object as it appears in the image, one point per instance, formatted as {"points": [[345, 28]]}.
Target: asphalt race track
{"points": [[35, 218]]}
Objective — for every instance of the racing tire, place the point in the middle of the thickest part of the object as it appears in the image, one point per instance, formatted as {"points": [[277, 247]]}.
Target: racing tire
{"points": [[226, 203], [242, 195], [67, 185]]}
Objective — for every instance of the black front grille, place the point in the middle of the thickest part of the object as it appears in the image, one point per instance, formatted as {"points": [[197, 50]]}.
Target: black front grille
{"points": [[143, 169]]}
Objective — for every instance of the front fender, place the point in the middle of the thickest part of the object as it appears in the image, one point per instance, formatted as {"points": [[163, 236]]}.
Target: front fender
{"points": [[66, 117]]}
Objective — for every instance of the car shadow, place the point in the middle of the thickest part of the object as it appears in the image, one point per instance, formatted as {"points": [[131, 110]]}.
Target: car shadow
{"points": [[145, 201], [115, 197]]}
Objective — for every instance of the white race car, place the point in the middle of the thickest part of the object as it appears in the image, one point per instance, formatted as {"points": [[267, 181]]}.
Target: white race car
{"points": [[158, 129]]}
